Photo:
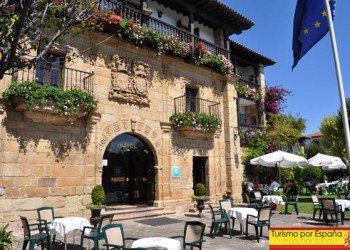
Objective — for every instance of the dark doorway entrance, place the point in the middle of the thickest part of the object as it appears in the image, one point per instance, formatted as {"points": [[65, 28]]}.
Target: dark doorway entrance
{"points": [[128, 175], [199, 170]]}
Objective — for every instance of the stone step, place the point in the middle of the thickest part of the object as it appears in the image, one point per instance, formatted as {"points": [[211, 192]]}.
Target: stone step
{"points": [[137, 213]]}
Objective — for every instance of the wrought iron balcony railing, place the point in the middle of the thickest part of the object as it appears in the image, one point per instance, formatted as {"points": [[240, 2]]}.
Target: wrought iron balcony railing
{"points": [[65, 78], [161, 27], [184, 104]]}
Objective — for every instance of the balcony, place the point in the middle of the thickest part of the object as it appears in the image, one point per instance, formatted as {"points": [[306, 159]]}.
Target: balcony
{"points": [[196, 118], [161, 27], [248, 90], [62, 77], [189, 104]]}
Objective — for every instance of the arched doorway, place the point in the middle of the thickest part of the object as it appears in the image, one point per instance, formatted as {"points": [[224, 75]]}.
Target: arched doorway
{"points": [[128, 172]]}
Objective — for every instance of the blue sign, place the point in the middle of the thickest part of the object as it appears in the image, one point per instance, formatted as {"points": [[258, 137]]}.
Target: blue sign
{"points": [[175, 172]]}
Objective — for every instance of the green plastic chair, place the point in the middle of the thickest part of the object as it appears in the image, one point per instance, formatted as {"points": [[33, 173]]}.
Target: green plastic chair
{"points": [[226, 205], [32, 239], [219, 217], [292, 199], [96, 234], [114, 237], [262, 220], [330, 207], [46, 215], [193, 235], [317, 206]]}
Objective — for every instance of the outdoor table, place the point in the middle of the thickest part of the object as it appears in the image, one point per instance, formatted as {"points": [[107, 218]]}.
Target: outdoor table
{"points": [[64, 225], [170, 244], [273, 198], [344, 204], [241, 213]]}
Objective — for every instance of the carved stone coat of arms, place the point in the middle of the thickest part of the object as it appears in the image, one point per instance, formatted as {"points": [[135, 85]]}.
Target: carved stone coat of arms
{"points": [[130, 80]]}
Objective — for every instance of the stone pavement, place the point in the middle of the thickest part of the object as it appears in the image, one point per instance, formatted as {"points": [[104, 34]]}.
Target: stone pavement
{"points": [[140, 230]]}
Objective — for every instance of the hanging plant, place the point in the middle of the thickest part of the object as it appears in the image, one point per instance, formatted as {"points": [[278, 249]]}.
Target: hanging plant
{"points": [[243, 90], [198, 121]]}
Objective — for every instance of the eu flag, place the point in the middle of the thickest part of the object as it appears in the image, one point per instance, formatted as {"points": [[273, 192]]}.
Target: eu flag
{"points": [[310, 26]]}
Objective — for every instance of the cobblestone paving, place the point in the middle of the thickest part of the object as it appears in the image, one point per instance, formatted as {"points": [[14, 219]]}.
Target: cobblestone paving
{"points": [[138, 230]]}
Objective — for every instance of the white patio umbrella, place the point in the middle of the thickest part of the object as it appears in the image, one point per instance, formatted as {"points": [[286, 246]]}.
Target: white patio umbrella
{"points": [[280, 159], [327, 162]]}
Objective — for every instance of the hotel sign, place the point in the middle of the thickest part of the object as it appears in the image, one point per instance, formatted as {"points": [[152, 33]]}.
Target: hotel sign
{"points": [[175, 172]]}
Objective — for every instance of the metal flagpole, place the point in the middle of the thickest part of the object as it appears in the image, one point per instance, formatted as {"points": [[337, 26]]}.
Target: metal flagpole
{"points": [[340, 80]]}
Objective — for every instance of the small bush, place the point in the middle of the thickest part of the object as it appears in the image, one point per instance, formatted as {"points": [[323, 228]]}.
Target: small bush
{"points": [[7, 240], [199, 189], [98, 195]]}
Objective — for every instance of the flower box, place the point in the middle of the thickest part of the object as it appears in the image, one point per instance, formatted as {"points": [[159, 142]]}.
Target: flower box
{"points": [[193, 133], [46, 114]]}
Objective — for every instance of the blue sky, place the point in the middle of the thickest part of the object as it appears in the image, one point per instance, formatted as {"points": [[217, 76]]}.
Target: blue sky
{"points": [[313, 82]]}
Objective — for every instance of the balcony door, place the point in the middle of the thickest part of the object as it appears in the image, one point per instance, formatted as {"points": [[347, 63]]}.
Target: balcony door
{"points": [[128, 172], [191, 99]]}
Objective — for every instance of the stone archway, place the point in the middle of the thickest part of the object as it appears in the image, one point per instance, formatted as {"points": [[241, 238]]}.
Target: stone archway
{"points": [[145, 131]]}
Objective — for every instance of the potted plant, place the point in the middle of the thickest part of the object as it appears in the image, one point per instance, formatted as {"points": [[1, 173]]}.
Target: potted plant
{"points": [[199, 196], [7, 240], [98, 200]]}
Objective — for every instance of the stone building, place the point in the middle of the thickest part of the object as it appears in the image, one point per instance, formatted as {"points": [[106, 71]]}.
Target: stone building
{"points": [[129, 144]]}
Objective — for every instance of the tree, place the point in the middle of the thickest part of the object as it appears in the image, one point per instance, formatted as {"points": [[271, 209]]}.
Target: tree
{"points": [[28, 26], [284, 131], [332, 130], [275, 99]]}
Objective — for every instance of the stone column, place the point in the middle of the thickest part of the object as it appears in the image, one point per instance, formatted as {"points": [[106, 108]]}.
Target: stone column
{"points": [[234, 170]]}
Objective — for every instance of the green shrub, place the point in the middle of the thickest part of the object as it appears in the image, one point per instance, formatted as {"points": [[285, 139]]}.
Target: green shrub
{"points": [[199, 189], [312, 173], [200, 121], [98, 195], [7, 240]]}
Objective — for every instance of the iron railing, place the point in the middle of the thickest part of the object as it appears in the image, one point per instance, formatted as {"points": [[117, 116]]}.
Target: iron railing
{"points": [[184, 104], [161, 27], [65, 78], [249, 83]]}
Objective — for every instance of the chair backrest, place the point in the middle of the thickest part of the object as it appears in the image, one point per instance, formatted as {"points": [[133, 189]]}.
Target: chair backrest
{"points": [[104, 221], [114, 234], [25, 226], [215, 215], [226, 204], [315, 199], [257, 194], [46, 213], [328, 203], [264, 213], [194, 231]]}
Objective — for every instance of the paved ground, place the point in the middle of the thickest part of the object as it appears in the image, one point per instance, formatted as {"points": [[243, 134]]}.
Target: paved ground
{"points": [[140, 230]]}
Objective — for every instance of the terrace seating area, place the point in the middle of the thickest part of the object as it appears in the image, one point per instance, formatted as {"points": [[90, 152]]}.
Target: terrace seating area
{"points": [[192, 232]]}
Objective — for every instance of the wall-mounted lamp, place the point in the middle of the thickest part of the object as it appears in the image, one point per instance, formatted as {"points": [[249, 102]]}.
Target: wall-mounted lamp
{"points": [[160, 14]]}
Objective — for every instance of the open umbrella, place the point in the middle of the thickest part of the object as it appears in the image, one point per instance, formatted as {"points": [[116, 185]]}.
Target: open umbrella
{"points": [[327, 162], [280, 159]]}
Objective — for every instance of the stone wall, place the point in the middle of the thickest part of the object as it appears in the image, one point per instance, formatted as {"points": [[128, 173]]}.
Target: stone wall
{"points": [[43, 164]]}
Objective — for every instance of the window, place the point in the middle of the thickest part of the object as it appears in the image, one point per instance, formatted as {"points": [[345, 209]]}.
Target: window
{"points": [[191, 99], [49, 69]]}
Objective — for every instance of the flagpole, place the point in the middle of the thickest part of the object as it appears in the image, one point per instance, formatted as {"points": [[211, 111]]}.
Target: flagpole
{"points": [[340, 80]]}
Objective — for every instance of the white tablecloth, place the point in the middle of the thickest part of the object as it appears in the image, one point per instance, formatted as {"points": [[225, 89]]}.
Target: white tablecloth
{"points": [[273, 198], [170, 244], [241, 213], [344, 204], [67, 224]]}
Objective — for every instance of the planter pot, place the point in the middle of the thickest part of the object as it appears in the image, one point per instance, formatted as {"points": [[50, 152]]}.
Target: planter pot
{"points": [[200, 206], [95, 216], [229, 195], [196, 134], [46, 114]]}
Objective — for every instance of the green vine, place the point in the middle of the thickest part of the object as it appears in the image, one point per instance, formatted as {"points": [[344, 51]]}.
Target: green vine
{"points": [[66, 103], [199, 121]]}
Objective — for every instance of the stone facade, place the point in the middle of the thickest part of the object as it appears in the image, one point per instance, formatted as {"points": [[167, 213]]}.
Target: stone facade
{"points": [[57, 165]]}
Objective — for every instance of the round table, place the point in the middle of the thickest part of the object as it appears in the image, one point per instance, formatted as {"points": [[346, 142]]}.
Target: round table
{"points": [[167, 243]]}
